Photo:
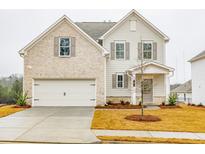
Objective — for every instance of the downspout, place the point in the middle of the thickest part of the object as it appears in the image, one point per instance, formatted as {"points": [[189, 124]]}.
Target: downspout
{"points": [[129, 74], [133, 89], [168, 90]]}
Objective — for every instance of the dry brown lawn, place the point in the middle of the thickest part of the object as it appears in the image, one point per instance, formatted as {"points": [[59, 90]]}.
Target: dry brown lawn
{"points": [[185, 119], [150, 140], [9, 109]]}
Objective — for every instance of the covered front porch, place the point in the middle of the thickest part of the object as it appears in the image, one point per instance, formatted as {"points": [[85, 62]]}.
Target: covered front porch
{"points": [[150, 80]]}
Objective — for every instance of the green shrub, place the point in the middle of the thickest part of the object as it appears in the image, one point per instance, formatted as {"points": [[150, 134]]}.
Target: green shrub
{"points": [[22, 99], [172, 99]]}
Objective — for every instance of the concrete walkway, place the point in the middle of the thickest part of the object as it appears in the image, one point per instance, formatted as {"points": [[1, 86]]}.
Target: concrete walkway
{"points": [[49, 125], [154, 134]]}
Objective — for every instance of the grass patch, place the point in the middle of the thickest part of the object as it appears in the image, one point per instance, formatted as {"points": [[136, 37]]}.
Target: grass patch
{"points": [[150, 140], [9, 109], [184, 119]]}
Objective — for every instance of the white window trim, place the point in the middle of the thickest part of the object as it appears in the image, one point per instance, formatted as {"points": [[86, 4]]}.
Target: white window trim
{"points": [[143, 50], [59, 48], [117, 74], [116, 50]]}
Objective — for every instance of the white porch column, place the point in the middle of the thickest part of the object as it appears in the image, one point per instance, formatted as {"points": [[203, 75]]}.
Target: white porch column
{"points": [[167, 85], [133, 90]]}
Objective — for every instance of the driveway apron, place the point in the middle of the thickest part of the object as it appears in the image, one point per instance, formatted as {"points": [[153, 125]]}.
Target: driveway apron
{"points": [[49, 125]]}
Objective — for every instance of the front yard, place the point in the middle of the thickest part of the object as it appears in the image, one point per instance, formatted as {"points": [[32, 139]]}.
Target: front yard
{"points": [[185, 119], [9, 109]]}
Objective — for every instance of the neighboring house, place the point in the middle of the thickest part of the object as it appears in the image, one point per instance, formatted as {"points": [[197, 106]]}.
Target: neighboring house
{"points": [[173, 86], [198, 78], [184, 92], [87, 63]]}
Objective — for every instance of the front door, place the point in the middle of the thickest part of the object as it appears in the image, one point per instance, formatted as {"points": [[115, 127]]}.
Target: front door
{"points": [[148, 91]]}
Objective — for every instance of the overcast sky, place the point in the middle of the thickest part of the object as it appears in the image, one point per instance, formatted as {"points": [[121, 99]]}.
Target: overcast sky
{"points": [[186, 29]]}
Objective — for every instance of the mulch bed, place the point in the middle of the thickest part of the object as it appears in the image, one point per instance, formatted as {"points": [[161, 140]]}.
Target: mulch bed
{"points": [[119, 107], [196, 105], [145, 118], [26, 106], [169, 106]]}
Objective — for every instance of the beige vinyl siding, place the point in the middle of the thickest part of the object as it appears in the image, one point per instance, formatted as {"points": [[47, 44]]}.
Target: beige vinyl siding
{"points": [[159, 87], [124, 33], [117, 67], [158, 84]]}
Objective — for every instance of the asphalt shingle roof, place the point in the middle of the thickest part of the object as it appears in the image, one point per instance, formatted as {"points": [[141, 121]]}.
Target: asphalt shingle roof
{"points": [[184, 88], [199, 56], [95, 29]]}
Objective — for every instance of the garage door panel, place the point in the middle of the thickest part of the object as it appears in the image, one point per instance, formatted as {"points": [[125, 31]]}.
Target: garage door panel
{"points": [[64, 93]]}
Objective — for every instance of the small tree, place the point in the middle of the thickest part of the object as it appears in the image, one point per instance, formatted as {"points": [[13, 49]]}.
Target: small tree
{"points": [[142, 88], [142, 83]]}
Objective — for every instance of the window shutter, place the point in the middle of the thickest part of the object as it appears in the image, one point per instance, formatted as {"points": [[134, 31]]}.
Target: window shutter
{"points": [[56, 46], [125, 81], [112, 50], [140, 50], [114, 81], [154, 50], [127, 52], [73, 46]]}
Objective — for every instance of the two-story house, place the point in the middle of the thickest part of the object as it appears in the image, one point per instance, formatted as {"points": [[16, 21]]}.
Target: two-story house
{"points": [[87, 63]]}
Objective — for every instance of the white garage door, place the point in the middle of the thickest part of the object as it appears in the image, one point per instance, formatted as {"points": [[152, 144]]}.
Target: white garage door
{"points": [[64, 93]]}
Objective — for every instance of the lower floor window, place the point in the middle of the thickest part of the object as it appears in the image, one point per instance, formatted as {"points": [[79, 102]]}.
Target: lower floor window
{"points": [[120, 80]]}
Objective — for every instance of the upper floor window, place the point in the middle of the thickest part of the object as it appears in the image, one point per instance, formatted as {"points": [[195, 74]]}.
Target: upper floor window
{"points": [[147, 50], [64, 47], [133, 25], [120, 49], [120, 80]]}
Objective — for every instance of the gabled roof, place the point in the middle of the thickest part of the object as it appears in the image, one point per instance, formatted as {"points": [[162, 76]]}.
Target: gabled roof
{"points": [[63, 18], [197, 57], [184, 88], [154, 28], [152, 63], [95, 29]]}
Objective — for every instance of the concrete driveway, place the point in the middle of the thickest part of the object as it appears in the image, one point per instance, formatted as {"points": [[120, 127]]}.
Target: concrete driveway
{"points": [[50, 125]]}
